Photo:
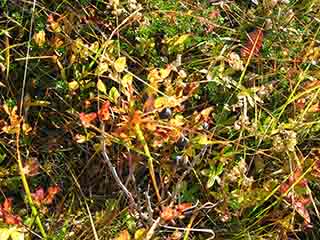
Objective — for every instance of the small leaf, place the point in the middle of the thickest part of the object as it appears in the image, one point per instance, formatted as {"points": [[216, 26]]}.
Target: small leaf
{"points": [[165, 72], [102, 68], [73, 85], [40, 38], [87, 118], [101, 86], [124, 235], [168, 214], [114, 94], [104, 113], [140, 234], [120, 64], [182, 39], [211, 181], [126, 80]]}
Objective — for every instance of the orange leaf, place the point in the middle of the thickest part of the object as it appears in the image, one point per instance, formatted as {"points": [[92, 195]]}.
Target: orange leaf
{"points": [[11, 219], [7, 205], [168, 214], [182, 207], [87, 118], [104, 113], [123, 235], [52, 191], [253, 44]]}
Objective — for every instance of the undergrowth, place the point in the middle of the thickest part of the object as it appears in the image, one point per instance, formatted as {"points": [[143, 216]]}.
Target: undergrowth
{"points": [[159, 119]]}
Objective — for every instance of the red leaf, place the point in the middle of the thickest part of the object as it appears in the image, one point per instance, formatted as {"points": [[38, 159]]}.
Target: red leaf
{"points": [[303, 212], [253, 44], [11, 219], [104, 113], [39, 195]]}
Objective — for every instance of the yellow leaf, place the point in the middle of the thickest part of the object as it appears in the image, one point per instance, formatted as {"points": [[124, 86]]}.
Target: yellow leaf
{"points": [[120, 64], [4, 233], [165, 72], [182, 39], [126, 80], [124, 235], [168, 101], [40, 38], [16, 234], [102, 68], [101, 86], [140, 234]]}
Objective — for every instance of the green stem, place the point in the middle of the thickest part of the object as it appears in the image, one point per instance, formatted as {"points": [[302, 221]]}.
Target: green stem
{"points": [[150, 159], [27, 189]]}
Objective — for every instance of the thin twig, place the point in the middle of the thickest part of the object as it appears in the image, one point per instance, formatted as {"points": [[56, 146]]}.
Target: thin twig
{"points": [[153, 228], [114, 172]]}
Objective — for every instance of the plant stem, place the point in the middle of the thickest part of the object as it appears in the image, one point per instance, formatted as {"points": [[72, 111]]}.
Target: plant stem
{"points": [[150, 159], [27, 189]]}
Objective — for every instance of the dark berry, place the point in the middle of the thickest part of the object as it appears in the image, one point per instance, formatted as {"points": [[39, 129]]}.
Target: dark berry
{"points": [[165, 113], [205, 125], [182, 142]]}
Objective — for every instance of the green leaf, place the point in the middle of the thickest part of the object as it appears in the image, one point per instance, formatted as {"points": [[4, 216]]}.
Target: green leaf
{"points": [[101, 86], [211, 181], [114, 94], [2, 157], [120, 64], [4, 233]]}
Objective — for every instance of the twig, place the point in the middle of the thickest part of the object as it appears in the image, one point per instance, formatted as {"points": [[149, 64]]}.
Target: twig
{"points": [[114, 172], [153, 228]]}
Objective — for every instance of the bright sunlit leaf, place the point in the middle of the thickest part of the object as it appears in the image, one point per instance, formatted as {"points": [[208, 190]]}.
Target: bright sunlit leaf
{"points": [[114, 94], [120, 64], [4, 233], [101, 86], [124, 235]]}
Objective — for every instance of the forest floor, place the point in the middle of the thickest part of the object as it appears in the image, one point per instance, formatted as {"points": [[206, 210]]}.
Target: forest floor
{"points": [[159, 119]]}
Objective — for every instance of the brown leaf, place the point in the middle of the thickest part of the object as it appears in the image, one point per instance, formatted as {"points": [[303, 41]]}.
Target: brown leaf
{"points": [[148, 106], [253, 44]]}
